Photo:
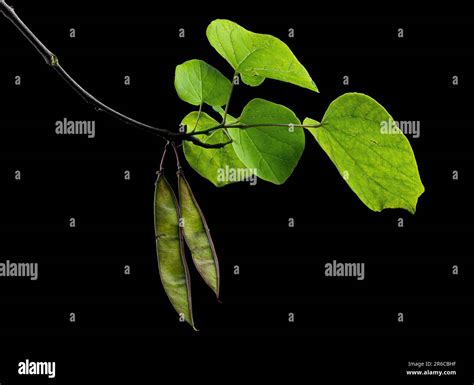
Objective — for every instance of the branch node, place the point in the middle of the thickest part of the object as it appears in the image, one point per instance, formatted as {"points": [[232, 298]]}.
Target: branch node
{"points": [[53, 60]]}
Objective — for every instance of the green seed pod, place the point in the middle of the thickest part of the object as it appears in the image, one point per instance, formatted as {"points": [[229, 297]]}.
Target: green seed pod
{"points": [[170, 250], [197, 236]]}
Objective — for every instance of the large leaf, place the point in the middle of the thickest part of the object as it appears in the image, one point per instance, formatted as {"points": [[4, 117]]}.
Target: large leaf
{"points": [[273, 151], [219, 166], [197, 82], [379, 167], [256, 56]]}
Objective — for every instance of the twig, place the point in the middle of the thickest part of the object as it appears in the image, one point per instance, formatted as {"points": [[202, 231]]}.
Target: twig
{"points": [[52, 60], [178, 164], [245, 126], [163, 156]]}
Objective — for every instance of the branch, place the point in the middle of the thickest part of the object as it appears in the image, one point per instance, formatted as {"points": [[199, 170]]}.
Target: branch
{"points": [[52, 60], [191, 138], [245, 126]]}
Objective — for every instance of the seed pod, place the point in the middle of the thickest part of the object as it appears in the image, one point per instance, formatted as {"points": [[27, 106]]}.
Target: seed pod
{"points": [[197, 236], [170, 250]]}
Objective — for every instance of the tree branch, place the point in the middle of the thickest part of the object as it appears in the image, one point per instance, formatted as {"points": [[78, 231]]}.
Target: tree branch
{"points": [[52, 60]]}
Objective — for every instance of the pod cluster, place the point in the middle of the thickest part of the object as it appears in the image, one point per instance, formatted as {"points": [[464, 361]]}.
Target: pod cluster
{"points": [[179, 222]]}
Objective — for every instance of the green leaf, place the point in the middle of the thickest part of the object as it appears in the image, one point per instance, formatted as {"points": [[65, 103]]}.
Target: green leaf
{"points": [[273, 151], [219, 166], [219, 110], [256, 56], [379, 167], [197, 82], [252, 80]]}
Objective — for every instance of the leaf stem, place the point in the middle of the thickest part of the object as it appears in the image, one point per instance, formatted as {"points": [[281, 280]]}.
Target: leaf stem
{"points": [[226, 132], [198, 117], [228, 99]]}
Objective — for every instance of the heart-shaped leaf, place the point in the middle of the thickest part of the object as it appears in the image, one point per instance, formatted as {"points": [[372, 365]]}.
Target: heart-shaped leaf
{"points": [[273, 151], [378, 164], [257, 56], [197, 82]]}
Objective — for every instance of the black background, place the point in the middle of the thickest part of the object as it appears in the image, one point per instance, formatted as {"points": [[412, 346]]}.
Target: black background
{"points": [[408, 269]]}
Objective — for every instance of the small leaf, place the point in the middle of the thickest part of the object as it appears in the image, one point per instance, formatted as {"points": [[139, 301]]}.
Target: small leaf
{"points": [[273, 151], [219, 166], [256, 56], [197, 82], [379, 167]]}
